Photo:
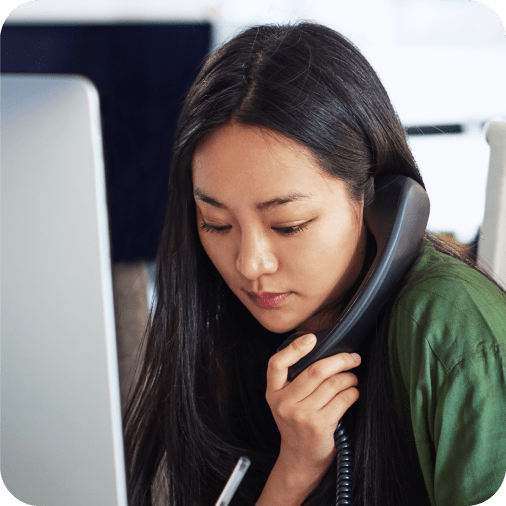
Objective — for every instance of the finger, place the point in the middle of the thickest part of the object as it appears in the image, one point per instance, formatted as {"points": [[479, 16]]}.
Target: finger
{"points": [[337, 407], [329, 389], [327, 367], [318, 372], [277, 369]]}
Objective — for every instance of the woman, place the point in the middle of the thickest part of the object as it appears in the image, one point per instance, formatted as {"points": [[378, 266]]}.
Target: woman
{"points": [[274, 159]]}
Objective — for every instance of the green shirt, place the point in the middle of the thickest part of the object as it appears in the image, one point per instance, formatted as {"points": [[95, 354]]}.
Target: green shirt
{"points": [[447, 349]]}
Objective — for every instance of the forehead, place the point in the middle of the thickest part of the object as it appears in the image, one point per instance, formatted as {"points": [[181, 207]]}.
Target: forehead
{"points": [[259, 160]]}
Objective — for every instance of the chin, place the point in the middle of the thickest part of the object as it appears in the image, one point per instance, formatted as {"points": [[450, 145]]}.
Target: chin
{"points": [[279, 329], [277, 324], [277, 320]]}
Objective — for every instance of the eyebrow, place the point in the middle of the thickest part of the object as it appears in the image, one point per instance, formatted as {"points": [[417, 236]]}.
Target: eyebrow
{"points": [[262, 206]]}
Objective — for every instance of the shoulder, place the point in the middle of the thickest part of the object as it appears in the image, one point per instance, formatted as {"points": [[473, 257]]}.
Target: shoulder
{"points": [[449, 308], [447, 350]]}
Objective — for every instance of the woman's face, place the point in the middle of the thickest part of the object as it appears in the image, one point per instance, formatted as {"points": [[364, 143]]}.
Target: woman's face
{"points": [[283, 235]]}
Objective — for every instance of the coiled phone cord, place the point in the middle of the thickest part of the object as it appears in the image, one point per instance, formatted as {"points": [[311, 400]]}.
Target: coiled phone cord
{"points": [[344, 457]]}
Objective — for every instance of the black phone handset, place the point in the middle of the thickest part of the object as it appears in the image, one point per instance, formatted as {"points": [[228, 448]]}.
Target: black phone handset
{"points": [[397, 219]]}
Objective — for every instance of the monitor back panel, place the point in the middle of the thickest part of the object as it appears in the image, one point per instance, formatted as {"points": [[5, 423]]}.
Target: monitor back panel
{"points": [[60, 406]]}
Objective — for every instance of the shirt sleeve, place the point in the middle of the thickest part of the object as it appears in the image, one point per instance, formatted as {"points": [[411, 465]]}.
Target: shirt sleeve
{"points": [[469, 430]]}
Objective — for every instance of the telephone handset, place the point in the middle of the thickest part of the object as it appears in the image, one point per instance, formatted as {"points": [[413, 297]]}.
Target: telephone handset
{"points": [[397, 219]]}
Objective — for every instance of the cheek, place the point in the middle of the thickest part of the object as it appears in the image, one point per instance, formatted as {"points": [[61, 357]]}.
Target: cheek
{"points": [[328, 256], [332, 238]]}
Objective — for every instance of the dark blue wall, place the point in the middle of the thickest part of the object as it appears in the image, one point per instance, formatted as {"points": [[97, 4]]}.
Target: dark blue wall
{"points": [[142, 72]]}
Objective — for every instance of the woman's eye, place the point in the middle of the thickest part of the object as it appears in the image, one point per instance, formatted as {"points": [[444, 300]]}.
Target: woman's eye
{"points": [[291, 230], [296, 229], [208, 228]]}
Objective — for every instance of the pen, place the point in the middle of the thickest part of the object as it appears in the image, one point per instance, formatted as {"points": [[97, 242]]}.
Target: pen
{"points": [[234, 481]]}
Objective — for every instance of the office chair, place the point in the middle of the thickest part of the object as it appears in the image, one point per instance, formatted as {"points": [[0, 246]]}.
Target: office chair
{"points": [[492, 243]]}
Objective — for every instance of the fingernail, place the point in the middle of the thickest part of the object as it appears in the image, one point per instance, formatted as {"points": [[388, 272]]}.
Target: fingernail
{"points": [[310, 338], [356, 356]]}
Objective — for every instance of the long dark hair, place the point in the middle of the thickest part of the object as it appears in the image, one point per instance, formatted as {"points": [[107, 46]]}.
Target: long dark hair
{"points": [[200, 401]]}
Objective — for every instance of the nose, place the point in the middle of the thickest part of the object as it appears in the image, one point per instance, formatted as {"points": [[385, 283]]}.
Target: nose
{"points": [[255, 256]]}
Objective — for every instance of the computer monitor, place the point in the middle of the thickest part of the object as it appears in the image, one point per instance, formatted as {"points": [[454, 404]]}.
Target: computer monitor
{"points": [[60, 407]]}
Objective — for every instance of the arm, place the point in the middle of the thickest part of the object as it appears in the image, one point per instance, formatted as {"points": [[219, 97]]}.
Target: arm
{"points": [[288, 487]]}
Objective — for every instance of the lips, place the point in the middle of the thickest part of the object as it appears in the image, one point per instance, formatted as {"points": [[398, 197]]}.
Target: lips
{"points": [[270, 300], [264, 295]]}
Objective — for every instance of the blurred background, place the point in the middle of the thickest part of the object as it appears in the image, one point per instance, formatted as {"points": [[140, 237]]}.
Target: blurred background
{"points": [[443, 63]]}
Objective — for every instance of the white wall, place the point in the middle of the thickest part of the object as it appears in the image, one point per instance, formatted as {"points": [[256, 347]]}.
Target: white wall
{"points": [[442, 61], [364, 21]]}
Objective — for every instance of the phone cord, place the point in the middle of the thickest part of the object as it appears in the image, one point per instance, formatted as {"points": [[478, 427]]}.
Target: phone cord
{"points": [[344, 457]]}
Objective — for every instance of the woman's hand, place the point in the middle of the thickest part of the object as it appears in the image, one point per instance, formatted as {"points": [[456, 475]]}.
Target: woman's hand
{"points": [[308, 409]]}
